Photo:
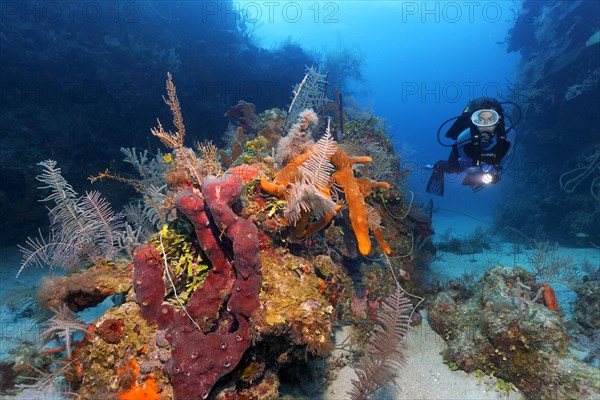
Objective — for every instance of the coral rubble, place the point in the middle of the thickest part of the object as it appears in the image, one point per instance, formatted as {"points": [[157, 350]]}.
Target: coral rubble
{"points": [[504, 331]]}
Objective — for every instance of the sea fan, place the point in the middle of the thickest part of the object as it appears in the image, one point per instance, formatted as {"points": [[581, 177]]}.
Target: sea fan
{"points": [[551, 266], [56, 250], [65, 199], [317, 169], [307, 194], [373, 217], [102, 222], [81, 228], [383, 355], [310, 93], [63, 325], [302, 197], [45, 385]]}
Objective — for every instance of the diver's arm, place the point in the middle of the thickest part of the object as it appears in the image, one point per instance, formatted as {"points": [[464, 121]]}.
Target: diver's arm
{"points": [[463, 159]]}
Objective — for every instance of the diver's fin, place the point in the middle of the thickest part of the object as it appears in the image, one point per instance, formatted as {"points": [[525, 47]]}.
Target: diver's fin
{"points": [[436, 181], [436, 184]]}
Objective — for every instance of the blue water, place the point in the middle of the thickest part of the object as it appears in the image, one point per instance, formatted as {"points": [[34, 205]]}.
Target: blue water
{"points": [[101, 66], [424, 61]]}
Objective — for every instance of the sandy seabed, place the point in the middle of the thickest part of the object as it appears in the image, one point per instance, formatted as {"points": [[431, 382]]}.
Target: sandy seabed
{"points": [[425, 376]]}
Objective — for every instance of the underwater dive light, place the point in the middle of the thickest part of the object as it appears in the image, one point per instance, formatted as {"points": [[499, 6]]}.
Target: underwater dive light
{"points": [[489, 174], [487, 178]]}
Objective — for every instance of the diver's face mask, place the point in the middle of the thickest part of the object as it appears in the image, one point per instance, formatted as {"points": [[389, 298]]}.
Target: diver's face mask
{"points": [[486, 121], [485, 118]]}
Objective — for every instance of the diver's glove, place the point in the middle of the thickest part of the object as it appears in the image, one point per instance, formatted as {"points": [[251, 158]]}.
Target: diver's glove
{"points": [[489, 173], [482, 168], [487, 168], [465, 162]]}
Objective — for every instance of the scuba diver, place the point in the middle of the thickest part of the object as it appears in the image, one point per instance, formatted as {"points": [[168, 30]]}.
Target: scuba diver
{"points": [[482, 142]]}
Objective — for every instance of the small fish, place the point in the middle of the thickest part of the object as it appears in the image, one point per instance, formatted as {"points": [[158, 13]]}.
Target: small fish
{"points": [[582, 235]]}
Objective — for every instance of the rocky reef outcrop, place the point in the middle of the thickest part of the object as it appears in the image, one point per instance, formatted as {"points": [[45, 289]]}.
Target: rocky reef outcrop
{"points": [[557, 81], [505, 330]]}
